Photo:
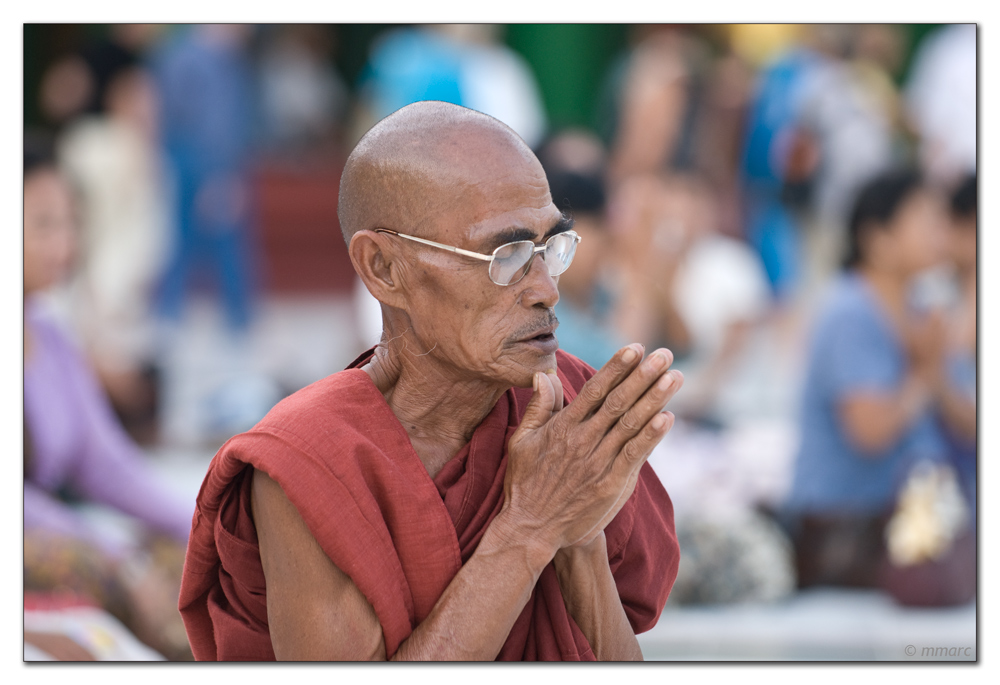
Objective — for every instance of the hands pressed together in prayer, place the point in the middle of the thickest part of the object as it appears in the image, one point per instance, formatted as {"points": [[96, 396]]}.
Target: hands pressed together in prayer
{"points": [[571, 469]]}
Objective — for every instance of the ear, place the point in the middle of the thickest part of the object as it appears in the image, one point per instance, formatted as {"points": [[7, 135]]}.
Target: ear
{"points": [[374, 260]]}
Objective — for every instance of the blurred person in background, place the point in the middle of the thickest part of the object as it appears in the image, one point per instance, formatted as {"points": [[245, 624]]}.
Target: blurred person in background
{"points": [[464, 64], [76, 84], [874, 383], [112, 159], [685, 284], [304, 100], [651, 102], [720, 291], [573, 163], [777, 158], [718, 135], [207, 117], [76, 451], [647, 262], [849, 115], [941, 100]]}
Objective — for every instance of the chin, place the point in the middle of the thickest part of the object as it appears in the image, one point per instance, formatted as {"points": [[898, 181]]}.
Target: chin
{"points": [[543, 363]]}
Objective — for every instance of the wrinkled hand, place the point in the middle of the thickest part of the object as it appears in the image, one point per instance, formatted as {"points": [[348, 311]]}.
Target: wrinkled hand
{"points": [[570, 470]]}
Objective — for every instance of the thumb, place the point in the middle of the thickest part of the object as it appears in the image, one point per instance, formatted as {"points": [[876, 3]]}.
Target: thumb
{"points": [[542, 403]]}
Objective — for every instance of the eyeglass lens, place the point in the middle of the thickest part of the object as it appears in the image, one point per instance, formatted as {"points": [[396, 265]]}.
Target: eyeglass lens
{"points": [[512, 261]]}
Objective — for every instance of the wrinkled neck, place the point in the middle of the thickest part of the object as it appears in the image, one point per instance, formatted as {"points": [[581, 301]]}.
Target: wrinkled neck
{"points": [[438, 408]]}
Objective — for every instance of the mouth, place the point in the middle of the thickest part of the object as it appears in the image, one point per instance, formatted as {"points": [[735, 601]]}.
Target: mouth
{"points": [[544, 340]]}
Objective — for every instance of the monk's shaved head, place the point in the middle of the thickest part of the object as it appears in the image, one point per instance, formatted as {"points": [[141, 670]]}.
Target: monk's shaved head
{"points": [[420, 162]]}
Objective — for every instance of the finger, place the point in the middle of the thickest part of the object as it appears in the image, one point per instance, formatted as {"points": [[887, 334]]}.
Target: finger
{"points": [[629, 391], [595, 390], [557, 389], [652, 402], [542, 403], [636, 451]]}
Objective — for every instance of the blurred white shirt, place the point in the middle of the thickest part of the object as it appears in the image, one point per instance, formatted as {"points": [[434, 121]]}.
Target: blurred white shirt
{"points": [[720, 282], [941, 99], [497, 81]]}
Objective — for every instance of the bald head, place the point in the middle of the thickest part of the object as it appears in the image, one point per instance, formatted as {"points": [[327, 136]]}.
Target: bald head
{"points": [[422, 161]]}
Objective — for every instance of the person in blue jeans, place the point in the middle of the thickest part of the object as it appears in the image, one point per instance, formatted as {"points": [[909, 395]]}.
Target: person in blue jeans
{"points": [[875, 385], [206, 119]]}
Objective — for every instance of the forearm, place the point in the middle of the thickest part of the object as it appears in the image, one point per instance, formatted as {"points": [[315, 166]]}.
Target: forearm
{"points": [[874, 423], [44, 513], [473, 617], [591, 597], [127, 483]]}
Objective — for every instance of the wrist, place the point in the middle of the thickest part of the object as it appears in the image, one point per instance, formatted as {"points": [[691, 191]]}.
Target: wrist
{"points": [[507, 532], [580, 555]]}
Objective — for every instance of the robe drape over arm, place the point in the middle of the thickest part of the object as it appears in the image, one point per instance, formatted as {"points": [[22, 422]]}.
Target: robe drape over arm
{"points": [[346, 463]]}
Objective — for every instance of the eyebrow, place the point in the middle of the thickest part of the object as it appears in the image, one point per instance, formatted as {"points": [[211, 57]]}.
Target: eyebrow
{"points": [[516, 233]]}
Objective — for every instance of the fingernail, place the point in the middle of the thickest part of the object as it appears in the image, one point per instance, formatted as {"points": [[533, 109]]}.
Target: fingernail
{"points": [[630, 355], [658, 360], [534, 382], [666, 380], [659, 421]]}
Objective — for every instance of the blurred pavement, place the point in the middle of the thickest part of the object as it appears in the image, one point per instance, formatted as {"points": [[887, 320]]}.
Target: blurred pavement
{"points": [[819, 624]]}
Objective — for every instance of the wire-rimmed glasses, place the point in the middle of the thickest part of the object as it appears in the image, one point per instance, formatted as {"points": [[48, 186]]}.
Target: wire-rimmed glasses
{"points": [[511, 261]]}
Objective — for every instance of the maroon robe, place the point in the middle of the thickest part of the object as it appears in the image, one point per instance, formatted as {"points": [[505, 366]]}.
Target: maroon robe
{"points": [[346, 463]]}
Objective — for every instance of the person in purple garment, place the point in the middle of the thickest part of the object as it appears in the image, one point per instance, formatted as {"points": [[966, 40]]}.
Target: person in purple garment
{"points": [[75, 449]]}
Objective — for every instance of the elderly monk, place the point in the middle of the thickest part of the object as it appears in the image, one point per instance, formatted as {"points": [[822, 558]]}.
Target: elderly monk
{"points": [[464, 490]]}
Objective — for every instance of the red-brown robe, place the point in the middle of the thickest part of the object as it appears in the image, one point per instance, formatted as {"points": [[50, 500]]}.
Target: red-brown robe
{"points": [[347, 465]]}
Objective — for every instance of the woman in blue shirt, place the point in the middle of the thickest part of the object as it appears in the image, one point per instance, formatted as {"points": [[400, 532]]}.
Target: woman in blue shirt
{"points": [[874, 388]]}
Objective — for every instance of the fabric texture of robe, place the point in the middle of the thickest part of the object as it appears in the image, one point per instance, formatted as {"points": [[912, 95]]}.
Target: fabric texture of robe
{"points": [[346, 463]]}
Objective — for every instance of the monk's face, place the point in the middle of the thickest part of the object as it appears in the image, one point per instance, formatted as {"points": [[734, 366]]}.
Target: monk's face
{"points": [[477, 329]]}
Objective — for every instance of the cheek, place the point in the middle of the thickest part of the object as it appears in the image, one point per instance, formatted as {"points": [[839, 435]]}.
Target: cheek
{"points": [[461, 320], [482, 333], [923, 243]]}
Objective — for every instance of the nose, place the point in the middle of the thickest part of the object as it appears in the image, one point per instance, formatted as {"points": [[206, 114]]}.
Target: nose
{"points": [[539, 288]]}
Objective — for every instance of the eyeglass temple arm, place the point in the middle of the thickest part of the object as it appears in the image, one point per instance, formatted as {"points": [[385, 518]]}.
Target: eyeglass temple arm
{"points": [[449, 248]]}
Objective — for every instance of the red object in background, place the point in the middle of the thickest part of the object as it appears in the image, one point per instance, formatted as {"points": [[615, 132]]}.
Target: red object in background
{"points": [[303, 250], [56, 600]]}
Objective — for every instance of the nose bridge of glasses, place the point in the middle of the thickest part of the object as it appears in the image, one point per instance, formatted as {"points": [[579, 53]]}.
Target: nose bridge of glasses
{"points": [[552, 266]]}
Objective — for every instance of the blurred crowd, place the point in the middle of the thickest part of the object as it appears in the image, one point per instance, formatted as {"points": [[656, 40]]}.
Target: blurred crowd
{"points": [[785, 207]]}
